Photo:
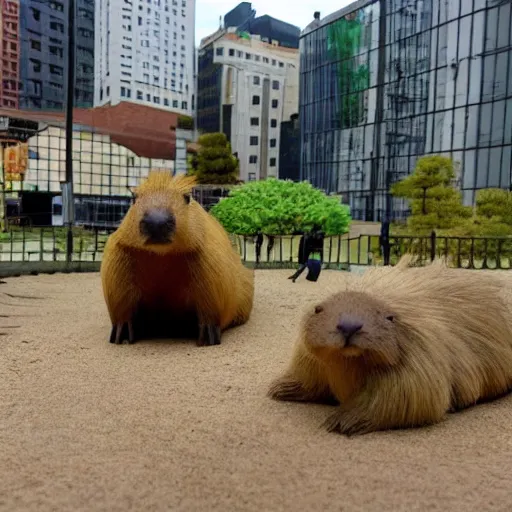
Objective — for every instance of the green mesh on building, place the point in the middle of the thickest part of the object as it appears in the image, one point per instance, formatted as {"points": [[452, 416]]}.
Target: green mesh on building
{"points": [[343, 47]]}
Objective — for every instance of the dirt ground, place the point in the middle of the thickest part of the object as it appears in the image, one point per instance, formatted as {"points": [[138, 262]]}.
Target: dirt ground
{"points": [[90, 426]]}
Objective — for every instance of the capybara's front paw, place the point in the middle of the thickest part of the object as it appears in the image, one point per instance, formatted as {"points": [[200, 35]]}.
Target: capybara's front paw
{"points": [[287, 390], [122, 332], [209, 335], [347, 423]]}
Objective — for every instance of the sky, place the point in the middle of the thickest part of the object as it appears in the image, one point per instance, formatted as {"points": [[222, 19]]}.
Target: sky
{"points": [[296, 12]]}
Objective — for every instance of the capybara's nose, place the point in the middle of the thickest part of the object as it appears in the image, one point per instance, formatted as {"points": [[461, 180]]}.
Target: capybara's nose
{"points": [[348, 327], [158, 225]]}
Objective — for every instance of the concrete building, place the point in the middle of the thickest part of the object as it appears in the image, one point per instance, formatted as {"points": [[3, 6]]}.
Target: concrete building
{"points": [[245, 89], [9, 52], [145, 53], [384, 83], [44, 53], [243, 17]]}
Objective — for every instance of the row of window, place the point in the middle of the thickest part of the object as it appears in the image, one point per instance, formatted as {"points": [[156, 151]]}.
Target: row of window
{"points": [[157, 13], [255, 121], [127, 93], [253, 159], [156, 33], [248, 56], [256, 80], [256, 101], [54, 70], [253, 141]]}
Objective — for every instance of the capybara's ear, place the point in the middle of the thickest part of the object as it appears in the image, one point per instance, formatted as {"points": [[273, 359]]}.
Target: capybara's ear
{"points": [[133, 192], [187, 198]]}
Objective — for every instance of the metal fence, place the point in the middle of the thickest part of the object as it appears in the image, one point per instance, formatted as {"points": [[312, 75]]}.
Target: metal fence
{"points": [[31, 245]]}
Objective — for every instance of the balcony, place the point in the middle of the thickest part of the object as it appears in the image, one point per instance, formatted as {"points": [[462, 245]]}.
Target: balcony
{"points": [[53, 94]]}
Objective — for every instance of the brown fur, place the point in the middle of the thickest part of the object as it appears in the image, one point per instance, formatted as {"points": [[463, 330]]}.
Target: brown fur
{"points": [[434, 340], [198, 273]]}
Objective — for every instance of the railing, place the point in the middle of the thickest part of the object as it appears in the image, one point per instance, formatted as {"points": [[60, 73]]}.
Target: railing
{"points": [[31, 245], [48, 244]]}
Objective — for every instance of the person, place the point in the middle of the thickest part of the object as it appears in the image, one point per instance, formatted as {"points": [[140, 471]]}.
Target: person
{"points": [[311, 251], [384, 242]]}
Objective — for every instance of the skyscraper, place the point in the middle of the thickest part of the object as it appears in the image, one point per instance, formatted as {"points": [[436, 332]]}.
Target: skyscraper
{"points": [[145, 53], [44, 52]]}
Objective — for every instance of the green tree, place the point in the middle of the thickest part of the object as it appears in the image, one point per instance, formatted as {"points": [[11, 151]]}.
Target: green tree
{"points": [[434, 202], [214, 163], [280, 207]]}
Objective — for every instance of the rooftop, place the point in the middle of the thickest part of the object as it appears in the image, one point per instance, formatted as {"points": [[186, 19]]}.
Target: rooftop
{"points": [[252, 41], [148, 132], [316, 24]]}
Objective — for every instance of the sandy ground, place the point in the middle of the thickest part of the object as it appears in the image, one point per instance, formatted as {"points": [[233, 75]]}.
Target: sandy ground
{"points": [[86, 425]]}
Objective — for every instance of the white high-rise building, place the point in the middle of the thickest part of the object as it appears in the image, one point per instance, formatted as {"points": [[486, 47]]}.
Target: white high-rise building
{"points": [[144, 53], [246, 89]]}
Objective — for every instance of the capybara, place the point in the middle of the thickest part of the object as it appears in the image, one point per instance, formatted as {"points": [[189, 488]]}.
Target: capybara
{"points": [[400, 347], [171, 263]]}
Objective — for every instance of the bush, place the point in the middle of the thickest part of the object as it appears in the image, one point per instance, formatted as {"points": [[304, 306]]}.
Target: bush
{"points": [[280, 207], [214, 163], [434, 202], [185, 122]]}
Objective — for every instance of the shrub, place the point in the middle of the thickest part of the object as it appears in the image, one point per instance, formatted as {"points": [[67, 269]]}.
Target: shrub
{"points": [[185, 122], [280, 207], [435, 204], [214, 163]]}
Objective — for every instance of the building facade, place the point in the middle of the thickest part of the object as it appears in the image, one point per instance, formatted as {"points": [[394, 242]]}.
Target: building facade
{"points": [[9, 52], [289, 149], [384, 82], [245, 89], [145, 53], [44, 53]]}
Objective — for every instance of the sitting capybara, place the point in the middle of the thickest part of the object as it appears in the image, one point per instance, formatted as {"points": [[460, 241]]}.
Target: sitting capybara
{"points": [[171, 263]]}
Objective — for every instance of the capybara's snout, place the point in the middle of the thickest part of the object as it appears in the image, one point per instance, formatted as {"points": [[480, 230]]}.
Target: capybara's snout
{"points": [[158, 225]]}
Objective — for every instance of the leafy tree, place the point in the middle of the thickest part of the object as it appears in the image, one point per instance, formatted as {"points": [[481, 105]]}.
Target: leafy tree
{"points": [[214, 163], [435, 204], [280, 207]]}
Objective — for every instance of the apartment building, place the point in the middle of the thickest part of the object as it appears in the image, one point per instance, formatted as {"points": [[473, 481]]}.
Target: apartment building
{"points": [[145, 53], [246, 87], [9, 52], [44, 54]]}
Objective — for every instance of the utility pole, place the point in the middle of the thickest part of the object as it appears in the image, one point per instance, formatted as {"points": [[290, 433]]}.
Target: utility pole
{"points": [[68, 203]]}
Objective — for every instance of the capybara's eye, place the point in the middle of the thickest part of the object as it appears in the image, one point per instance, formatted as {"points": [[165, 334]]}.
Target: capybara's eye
{"points": [[187, 198], [318, 309], [390, 318]]}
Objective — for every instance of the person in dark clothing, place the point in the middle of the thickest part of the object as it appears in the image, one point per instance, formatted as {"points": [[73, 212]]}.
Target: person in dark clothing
{"points": [[311, 252], [384, 242]]}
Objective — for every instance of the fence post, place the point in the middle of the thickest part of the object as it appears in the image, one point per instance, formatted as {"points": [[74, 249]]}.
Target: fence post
{"points": [[259, 243], [433, 241], [384, 241]]}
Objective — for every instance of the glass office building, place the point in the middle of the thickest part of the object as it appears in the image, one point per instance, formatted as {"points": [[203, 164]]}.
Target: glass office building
{"points": [[384, 82]]}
